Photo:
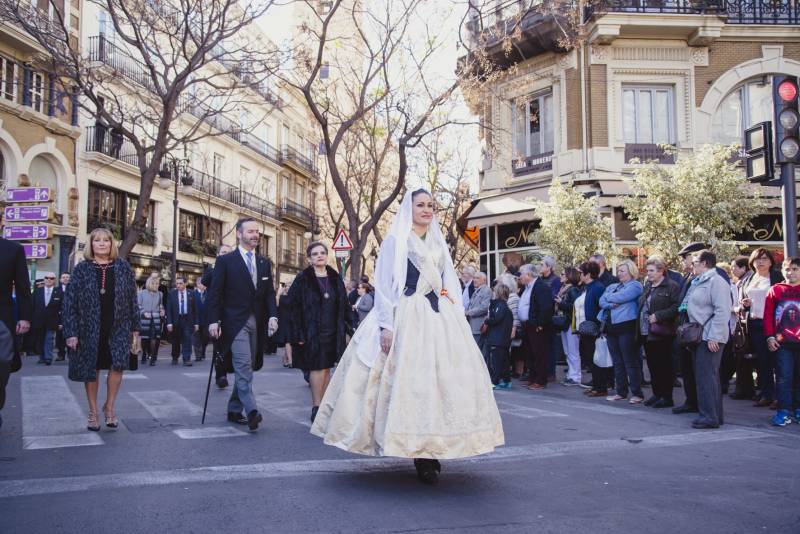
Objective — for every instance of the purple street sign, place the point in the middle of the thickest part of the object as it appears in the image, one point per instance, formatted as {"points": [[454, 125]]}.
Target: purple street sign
{"points": [[27, 231], [28, 194], [27, 213], [36, 251]]}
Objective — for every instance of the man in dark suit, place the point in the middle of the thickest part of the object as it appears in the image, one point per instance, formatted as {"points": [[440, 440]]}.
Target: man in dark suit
{"points": [[13, 276], [241, 307], [201, 336], [222, 364], [46, 317], [182, 320], [536, 315], [605, 278], [61, 343]]}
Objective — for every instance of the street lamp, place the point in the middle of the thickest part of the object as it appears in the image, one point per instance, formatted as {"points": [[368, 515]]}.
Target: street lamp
{"points": [[178, 169]]}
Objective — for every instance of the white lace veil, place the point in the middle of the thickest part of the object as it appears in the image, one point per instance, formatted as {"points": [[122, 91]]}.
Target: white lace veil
{"points": [[390, 278]]}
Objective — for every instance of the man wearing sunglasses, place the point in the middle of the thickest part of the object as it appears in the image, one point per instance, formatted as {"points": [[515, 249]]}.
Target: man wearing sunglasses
{"points": [[46, 317]]}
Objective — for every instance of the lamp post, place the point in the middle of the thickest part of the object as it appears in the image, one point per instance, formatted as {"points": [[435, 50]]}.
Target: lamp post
{"points": [[179, 170]]}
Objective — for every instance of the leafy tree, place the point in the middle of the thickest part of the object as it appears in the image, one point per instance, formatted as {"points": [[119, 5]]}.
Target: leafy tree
{"points": [[571, 227], [702, 197]]}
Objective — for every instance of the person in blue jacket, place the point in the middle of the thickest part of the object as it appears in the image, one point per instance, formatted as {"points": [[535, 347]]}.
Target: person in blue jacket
{"points": [[498, 337]]}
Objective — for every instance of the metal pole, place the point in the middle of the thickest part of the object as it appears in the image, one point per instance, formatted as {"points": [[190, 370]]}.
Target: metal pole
{"points": [[175, 229], [788, 196]]}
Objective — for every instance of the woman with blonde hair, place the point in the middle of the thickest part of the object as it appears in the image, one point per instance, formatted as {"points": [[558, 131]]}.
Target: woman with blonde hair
{"points": [[619, 308], [100, 318], [151, 311]]}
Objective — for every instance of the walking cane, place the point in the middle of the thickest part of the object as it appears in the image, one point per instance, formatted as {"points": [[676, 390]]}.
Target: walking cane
{"points": [[208, 386]]}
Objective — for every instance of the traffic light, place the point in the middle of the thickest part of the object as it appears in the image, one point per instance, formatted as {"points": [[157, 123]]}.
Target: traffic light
{"points": [[787, 119], [758, 152]]}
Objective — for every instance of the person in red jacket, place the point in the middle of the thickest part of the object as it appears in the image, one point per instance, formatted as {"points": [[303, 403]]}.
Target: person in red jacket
{"points": [[782, 330]]}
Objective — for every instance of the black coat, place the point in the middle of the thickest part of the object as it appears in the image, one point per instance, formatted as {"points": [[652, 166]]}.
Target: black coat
{"points": [[500, 321], [567, 303], [666, 297], [232, 299], [47, 318], [541, 310], [284, 320], [191, 307], [305, 302], [81, 315], [14, 274]]}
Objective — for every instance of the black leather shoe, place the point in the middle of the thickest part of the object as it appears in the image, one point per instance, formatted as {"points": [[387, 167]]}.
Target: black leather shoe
{"points": [[684, 408], [314, 411], [144, 358], [651, 401], [700, 425], [222, 382], [152, 362], [238, 418], [60, 359], [187, 363], [427, 470], [174, 362], [664, 403], [253, 419]]}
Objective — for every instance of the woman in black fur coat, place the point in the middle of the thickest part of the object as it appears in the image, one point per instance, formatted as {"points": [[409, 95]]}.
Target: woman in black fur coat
{"points": [[319, 319]]}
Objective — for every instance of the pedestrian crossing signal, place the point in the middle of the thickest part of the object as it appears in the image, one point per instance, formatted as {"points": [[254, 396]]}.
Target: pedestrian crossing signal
{"points": [[758, 152]]}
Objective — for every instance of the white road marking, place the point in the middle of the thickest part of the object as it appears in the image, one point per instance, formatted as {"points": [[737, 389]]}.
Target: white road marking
{"points": [[166, 404], [284, 407], [208, 432], [196, 374], [526, 412], [222, 473], [51, 416], [133, 375]]}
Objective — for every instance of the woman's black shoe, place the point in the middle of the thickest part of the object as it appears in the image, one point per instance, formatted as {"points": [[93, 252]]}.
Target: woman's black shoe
{"points": [[314, 411], [152, 362], [144, 358], [427, 470]]}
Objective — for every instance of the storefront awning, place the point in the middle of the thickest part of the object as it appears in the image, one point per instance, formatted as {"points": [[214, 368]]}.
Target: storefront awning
{"points": [[505, 208]]}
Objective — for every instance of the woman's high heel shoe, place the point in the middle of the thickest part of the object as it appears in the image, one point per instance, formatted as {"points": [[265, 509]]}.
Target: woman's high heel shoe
{"points": [[111, 419], [92, 423]]}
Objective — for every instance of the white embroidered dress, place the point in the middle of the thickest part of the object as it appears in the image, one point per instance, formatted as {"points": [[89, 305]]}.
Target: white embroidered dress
{"points": [[431, 396]]}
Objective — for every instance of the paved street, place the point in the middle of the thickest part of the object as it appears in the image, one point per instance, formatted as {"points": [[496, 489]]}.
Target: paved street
{"points": [[570, 465]]}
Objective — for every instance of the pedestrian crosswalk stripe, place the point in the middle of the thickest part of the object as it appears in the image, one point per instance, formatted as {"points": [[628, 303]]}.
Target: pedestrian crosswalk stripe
{"points": [[51, 415], [132, 375], [284, 407], [208, 432], [57, 442], [526, 412], [196, 374], [166, 404], [228, 473]]}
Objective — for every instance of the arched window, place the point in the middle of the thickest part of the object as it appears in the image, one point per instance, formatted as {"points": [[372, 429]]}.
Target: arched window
{"points": [[43, 174], [748, 104]]}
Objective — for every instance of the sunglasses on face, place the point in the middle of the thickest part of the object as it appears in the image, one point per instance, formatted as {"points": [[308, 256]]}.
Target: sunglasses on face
{"points": [[49, 277]]}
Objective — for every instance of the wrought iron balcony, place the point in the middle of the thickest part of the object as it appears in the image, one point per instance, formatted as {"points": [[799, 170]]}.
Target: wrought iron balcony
{"points": [[732, 11], [104, 140], [298, 213], [534, 26], [300, 162], [119, 61]]}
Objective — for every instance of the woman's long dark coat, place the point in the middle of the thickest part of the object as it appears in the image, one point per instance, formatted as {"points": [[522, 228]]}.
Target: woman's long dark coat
{"points": [[81, 318], [305, 303]]}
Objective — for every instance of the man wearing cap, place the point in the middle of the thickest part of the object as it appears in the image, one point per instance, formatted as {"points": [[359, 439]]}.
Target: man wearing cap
{"points": [[682, 358], [46, 317]]}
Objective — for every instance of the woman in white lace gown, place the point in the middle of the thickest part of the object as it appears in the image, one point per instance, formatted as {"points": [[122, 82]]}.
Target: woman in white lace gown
{"points": [[412, 382]]}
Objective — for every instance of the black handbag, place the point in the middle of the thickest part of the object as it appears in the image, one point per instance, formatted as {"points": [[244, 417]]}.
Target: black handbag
{"points": [[662, 329], [589, 328], [690, 334], [561, 322]]}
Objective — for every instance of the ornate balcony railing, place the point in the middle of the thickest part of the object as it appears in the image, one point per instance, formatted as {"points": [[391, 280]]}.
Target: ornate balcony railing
{"points": [[120, 61], [290, 155], [105, 140], [733, 11], [298, 212]]}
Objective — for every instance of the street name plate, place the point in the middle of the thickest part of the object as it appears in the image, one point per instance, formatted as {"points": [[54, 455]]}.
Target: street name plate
{"points": [[342, 253], [27, 231], [29, 194]]}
